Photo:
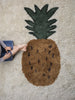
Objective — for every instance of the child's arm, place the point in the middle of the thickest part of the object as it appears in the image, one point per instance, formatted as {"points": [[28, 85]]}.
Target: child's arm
{"points": [[1, 59], [2, 44]]}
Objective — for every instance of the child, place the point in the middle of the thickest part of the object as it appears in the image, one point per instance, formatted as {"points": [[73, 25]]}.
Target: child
{"points": [[12, 52]]}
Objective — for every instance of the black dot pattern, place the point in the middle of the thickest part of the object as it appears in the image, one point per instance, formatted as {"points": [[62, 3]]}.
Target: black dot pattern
{"points": [[50, 46], [41, 62], [29, 54], [31, 67]]}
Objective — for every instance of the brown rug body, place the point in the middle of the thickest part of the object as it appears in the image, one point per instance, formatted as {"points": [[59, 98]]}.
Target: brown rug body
{"points": [[41, 62]]}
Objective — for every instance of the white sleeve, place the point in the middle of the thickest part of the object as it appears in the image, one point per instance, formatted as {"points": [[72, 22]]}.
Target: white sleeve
{"points": [[2, 44], [1, 59]]}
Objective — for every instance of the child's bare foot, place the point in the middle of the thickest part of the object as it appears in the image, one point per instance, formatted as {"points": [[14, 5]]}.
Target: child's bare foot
{"points": [[21, 46], [24, 48]]}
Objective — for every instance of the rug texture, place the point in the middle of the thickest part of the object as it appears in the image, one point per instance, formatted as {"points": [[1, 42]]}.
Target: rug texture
{"points": [[13, 83]]}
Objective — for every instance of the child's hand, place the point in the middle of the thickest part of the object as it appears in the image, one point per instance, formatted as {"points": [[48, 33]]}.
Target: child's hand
{"points": [[7, 48]]}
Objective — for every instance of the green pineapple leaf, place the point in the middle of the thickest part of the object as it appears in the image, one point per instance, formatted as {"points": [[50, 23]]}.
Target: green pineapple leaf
{"points": [[50, 22], [30, 22], [37, 10], [50, 33], [41, 26], [30, 28], [30, 12], [34, 34], [52, 27], [45, 8], [51, 12]]}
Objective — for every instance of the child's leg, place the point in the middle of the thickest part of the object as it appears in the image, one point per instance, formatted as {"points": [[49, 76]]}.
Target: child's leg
{"points": [[18, 48], [14, 51]]}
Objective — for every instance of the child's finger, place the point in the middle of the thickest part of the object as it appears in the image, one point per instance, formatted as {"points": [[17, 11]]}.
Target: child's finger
{"points": [[7, 51], [9, 48]]}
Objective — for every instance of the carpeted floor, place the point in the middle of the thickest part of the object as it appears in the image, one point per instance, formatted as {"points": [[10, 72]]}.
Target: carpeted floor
{"points": [[13, 84]]}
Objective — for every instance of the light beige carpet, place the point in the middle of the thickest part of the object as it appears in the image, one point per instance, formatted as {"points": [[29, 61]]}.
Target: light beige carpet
{"points": [[13, 84]]}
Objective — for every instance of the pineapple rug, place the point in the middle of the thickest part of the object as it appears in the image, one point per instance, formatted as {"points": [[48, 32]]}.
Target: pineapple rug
{"points": [[41, 61]]}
